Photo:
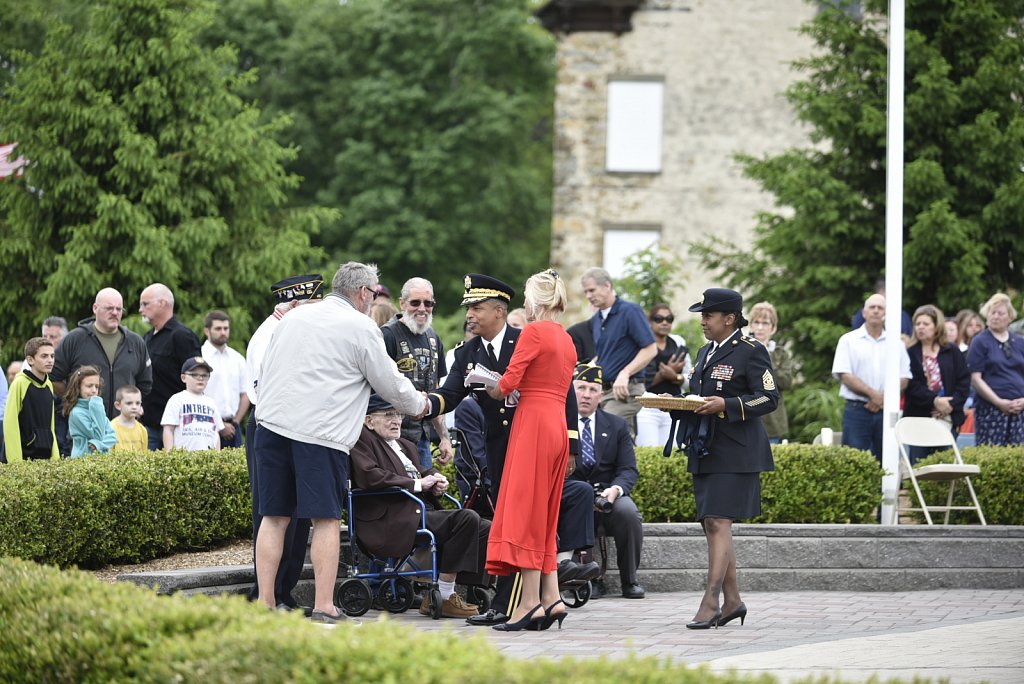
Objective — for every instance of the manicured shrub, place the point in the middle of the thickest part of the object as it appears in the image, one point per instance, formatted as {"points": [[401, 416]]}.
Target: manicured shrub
{"points": [[815, 484], [998, 487], [68, 627], [810, 484], [122, 507]]}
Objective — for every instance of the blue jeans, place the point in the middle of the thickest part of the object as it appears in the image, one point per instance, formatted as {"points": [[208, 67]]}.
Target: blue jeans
{"points": [[862, 429], [156, 438], [423, 446], [236, 441]]}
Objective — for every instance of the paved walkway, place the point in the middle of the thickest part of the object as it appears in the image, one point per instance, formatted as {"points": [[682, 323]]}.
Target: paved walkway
{"points": [[965, 636]]}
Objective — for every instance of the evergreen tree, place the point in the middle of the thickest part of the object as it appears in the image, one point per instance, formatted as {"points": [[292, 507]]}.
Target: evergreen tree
{"points": [[427, 123], [820, 252], [144, 165]]}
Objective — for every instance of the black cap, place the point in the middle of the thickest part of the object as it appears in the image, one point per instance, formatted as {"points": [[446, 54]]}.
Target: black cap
{"points": [[719, 299], [195, 362], [309, 286], [378, 404], [480, 287], [588, 372]]}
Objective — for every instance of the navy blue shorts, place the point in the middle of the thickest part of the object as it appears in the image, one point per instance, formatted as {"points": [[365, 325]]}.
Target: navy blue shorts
{"points": [[298, 479]]}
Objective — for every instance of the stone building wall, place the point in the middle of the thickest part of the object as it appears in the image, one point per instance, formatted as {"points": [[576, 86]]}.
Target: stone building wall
{"points": [[725, 66]]}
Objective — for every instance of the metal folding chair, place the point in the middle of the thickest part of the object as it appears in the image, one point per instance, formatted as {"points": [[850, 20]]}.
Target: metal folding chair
{"points": [[928, 432]]}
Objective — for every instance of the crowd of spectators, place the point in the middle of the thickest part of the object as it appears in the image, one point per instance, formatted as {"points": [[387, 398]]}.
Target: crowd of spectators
{"points": [[101, 387]]}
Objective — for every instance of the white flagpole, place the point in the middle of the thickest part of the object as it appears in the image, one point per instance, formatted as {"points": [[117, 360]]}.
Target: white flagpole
{"points": [[893, 258]]}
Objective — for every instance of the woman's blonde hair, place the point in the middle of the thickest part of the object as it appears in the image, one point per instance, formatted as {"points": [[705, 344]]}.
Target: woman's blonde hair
{"points": [[963, 319], [995, 300], [546, 290], [767, 310]]}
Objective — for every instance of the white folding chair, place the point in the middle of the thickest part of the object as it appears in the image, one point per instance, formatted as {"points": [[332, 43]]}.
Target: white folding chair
{"points": [[928, 432]]}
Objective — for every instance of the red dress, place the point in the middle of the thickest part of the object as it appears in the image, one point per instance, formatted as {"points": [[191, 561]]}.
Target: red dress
{"points": [[526, 516]]}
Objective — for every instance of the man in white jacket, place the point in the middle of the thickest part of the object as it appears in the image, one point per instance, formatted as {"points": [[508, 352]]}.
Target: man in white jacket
{"points": [[314, 385]]}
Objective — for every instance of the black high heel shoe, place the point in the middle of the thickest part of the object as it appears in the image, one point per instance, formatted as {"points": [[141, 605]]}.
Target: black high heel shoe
{"points": [[520, 625], [714, 620], [550, 618], [740, 613]]}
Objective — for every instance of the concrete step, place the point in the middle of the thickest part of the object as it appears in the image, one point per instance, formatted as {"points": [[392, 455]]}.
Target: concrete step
{"points": [[768, 557]]}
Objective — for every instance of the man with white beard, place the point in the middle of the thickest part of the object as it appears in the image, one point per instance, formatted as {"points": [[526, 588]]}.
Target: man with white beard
{"points": [[419, 354]]}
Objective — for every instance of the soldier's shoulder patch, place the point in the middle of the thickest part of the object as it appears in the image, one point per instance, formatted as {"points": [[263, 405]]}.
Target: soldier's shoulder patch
{"points": [[767, 380]]}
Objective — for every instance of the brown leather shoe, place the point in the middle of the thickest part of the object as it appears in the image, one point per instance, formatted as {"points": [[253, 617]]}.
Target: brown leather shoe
{"points": [[425, 604], [456, 607]]}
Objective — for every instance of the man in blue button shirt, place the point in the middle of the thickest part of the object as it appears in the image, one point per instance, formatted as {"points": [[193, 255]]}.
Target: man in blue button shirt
{"points": [[624, 344]]}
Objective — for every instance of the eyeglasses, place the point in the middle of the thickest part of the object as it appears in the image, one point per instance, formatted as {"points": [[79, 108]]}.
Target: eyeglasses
{"points": [[199, 376], [416, 303], [389, 415], [661, 319], [113, 309], [373, 293]]}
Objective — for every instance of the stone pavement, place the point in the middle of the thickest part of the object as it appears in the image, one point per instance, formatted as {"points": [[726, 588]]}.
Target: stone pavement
{"points": [[964, 636]]}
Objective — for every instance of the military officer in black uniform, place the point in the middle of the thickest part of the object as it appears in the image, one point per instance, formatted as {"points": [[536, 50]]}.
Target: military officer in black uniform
{"points": [[487, 302], [734, 375]]}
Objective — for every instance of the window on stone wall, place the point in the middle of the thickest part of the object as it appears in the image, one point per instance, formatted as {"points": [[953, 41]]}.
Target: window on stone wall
{"points": [[621, 242], [634, 125]]}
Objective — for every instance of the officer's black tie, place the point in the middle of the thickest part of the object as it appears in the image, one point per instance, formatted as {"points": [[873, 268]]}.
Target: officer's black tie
{"points": [[492, 357]]}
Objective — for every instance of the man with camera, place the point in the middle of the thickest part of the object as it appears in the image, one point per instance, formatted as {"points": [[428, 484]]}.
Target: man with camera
{"points": [[608, 462]]}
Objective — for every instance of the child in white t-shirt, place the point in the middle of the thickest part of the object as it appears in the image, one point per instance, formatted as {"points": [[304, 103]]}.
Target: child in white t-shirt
{"points": [[191, 420]]}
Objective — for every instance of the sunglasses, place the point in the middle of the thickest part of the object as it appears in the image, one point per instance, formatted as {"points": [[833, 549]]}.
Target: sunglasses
{"points": [[415, 303], [373, 293], [661, 319], [1007, 349]]}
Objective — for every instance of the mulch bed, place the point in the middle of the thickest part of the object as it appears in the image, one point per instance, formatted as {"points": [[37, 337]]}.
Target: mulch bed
{"points": [[232, 552]]}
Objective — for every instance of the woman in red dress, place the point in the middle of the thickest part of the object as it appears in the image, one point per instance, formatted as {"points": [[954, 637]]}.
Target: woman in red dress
{"points": [[522, 535]]}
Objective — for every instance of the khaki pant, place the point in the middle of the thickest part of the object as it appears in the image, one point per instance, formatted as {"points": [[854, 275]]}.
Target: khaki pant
{"points": [[625, 409]]}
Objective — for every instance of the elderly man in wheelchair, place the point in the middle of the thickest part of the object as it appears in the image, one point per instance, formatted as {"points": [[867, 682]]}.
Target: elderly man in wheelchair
{"points": [[386, 525]]}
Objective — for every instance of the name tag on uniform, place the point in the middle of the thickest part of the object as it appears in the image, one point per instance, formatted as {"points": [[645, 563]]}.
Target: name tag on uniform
{"points": [[722, 372]]}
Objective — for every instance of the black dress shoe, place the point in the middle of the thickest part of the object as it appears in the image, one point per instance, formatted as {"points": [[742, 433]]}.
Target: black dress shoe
{"points": [[489, 619], [632, 591], [589, 571], [740, 613], [705, 624], [597, 590], [568, 570]]}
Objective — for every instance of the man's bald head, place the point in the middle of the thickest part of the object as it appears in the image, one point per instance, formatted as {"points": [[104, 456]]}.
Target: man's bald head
{"points": [[874, 311], [156, 304], [108, 308]]}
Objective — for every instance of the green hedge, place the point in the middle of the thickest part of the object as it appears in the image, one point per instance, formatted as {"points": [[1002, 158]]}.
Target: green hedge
{"points": [[998, 487], [68, 627], [122, 507], [810, 484]]}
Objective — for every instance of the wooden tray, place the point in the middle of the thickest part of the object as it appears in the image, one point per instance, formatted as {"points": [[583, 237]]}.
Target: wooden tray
{"points": [[671, 403]]}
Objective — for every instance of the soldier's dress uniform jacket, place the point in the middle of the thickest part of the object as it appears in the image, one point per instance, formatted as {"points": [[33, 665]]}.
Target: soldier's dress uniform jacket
{"points": [[740, 371], [726, 480]]}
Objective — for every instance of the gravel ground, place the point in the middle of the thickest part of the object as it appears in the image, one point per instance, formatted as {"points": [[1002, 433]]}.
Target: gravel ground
{"points": [[234, 552]]}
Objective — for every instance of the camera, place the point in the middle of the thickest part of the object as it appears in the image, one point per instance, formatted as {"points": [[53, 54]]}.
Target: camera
{"points": [[601, 503]]}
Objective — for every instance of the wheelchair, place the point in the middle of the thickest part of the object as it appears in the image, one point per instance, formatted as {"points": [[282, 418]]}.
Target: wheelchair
{"points": [[388, 583]]}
